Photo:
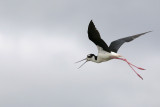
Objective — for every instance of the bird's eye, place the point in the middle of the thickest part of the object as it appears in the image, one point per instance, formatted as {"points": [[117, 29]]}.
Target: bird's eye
{"points": [[89, 56]]}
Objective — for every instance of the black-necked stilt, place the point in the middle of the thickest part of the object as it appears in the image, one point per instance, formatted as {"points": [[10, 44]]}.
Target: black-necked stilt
{"points": [[106, 53]]}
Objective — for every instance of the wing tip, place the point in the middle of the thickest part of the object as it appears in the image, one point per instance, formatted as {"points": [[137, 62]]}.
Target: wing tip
{"points": [[142, 34], [148, 31], [91, 25], [91, 22]]}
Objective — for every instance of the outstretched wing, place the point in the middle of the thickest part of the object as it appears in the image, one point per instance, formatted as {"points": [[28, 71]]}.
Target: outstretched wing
{"points": [[115, 45], [95, 37]]}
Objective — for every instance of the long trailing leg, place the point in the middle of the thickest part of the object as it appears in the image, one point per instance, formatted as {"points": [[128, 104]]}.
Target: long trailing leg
{"points": [[135, 71], [130, 63], [131, 66]]}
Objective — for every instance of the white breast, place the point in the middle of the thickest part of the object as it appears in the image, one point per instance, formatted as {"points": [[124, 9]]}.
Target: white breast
{"points": [[102, 57]]}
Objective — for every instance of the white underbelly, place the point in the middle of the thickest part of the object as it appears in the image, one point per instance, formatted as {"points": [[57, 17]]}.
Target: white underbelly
{"points": [[102, 57]]}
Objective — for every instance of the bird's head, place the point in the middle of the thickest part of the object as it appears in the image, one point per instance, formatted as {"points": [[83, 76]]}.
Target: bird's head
{"points": [[90, 57]]}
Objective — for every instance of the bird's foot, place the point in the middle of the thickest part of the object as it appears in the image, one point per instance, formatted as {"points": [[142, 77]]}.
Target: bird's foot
{"points": [[130, 63], [132, 67]]}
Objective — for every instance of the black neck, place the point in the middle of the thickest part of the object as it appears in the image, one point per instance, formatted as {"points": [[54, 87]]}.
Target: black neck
{"points": [[95, 57]]}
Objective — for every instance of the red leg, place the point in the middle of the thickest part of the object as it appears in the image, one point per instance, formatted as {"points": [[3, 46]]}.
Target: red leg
{"points": [[130, 63], [131, 66], [135, 71]]}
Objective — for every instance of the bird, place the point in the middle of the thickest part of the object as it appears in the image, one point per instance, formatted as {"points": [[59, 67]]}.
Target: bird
{"points": [[105, 52]]}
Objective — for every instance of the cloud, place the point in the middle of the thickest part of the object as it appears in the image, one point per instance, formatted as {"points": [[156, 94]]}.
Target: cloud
{"points": [[40, 41]]}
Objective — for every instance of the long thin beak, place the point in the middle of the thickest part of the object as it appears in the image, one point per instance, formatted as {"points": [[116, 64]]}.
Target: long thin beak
{"points": [[82, 65], [81, 60]]}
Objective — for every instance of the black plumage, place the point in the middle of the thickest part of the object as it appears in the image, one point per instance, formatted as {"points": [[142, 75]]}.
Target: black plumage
{"points": [[95, 37], [115, 45]]}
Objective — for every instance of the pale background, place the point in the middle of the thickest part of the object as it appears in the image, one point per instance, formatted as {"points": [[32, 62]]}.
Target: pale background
{"points": [[41, 39]]}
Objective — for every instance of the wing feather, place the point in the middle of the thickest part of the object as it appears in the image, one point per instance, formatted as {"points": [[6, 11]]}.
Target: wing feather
{"points": [[115, 45], [95, 37]]}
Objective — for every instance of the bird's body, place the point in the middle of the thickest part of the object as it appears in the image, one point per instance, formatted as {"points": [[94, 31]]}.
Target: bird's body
{"points": [[105, 52], [105, 56]]}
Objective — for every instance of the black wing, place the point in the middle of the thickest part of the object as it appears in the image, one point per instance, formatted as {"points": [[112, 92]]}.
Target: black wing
{"points": [[115, 45], [94, 36]]}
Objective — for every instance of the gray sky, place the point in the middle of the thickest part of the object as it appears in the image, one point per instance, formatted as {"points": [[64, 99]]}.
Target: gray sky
{"points": [[41, 39]]}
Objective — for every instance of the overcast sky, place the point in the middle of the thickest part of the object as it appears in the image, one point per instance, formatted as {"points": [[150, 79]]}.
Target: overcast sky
{"points": [[41, 39]]}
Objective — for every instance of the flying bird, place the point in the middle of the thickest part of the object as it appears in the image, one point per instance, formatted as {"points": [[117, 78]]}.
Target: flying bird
{"points": [[105, 52]]}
